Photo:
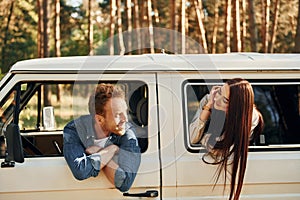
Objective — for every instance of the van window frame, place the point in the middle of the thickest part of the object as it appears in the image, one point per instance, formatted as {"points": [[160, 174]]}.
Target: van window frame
{"points": [[209, 83], [36, 84]]}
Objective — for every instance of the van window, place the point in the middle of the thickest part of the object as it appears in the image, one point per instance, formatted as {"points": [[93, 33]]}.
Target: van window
{"points": [[279, 103], [6, 110], [46, 107]]}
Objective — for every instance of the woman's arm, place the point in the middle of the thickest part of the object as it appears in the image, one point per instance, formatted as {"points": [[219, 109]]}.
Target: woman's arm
{"points": [[202, 115], [197, 126]]}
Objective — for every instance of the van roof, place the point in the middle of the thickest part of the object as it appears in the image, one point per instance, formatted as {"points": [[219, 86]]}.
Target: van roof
{"points": [[160, 62]]}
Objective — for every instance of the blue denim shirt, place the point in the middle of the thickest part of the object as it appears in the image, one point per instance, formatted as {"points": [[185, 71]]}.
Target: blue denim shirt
{"points": [[79, 134]]}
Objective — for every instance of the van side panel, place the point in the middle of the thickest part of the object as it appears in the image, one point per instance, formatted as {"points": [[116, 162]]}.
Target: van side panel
{"points": [[50, 177], [269, 175]]}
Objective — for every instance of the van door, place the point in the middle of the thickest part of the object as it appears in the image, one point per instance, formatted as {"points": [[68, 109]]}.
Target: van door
{"points": [[168, 122], [273, 161], [44, 173]]}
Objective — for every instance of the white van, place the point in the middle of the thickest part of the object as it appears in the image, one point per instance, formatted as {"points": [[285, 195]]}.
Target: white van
{"points": [[163, 93]]}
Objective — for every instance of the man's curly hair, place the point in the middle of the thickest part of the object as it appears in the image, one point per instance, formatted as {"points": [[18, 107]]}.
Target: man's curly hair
{"points": [[102, 94]]}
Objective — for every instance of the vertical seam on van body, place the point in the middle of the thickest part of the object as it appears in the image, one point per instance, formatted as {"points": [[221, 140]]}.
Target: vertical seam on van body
{"points": [[158, 133]]}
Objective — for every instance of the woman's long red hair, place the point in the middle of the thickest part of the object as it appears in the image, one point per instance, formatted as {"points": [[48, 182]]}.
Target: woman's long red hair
{"points": [[236, 135]]}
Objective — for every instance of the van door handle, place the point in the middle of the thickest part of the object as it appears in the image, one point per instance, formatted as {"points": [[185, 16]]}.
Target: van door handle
{"points": [[148, 193]]}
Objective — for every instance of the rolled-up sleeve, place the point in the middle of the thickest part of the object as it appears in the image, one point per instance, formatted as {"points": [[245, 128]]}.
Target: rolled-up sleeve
{"points": [[196, 127], [129, 159], [81, 165], [196, 130]]}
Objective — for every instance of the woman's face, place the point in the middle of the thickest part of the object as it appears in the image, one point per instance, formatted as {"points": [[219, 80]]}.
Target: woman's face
{"points": [[221, 98]]}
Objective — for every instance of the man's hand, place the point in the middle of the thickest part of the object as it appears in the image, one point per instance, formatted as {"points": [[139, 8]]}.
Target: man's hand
{"points": [[113, 149]]}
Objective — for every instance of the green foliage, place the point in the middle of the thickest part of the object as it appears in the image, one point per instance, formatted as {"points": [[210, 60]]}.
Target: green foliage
{"points": [[17, 38], [18, 30]]}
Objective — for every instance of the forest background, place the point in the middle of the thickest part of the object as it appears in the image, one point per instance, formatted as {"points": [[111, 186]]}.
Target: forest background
{"points": [[53, 28]]}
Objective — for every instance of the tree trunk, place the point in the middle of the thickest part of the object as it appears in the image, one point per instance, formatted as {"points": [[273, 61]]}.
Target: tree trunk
{"points": [[149, 5], [227, 26], [198, 7], [187, 47], [113, 8], [47, 95], [57, 40], [129, 25], [47, 89], [236, 27], [274, 27], [45, 29], [183, 7], [216, 24], [6, 68], [142, 21], [40, 29], [137, 26], [156, 14], [267, 38], [297, 38], [244, 25], [120, 31], [90, 27], [252, 26], [265, 24], [173, 18], [57, 29]]}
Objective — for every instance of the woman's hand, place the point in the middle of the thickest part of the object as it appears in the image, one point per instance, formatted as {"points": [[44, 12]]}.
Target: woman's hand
{"points": [[212, 95]]}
